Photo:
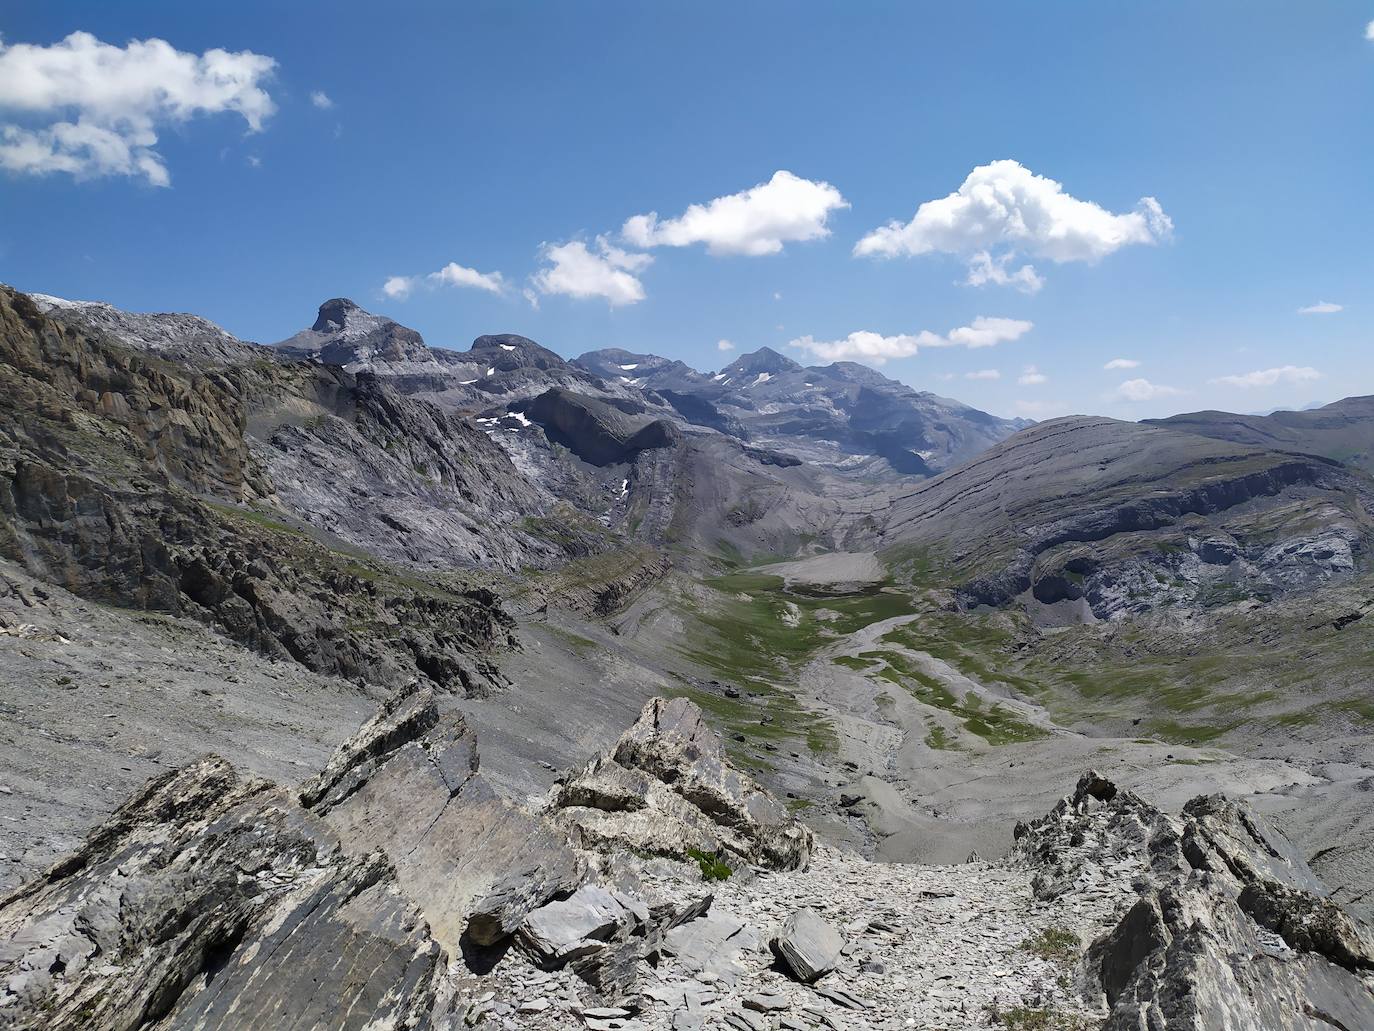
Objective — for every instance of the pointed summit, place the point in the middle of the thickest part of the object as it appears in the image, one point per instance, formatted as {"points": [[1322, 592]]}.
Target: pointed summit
{"points": [[764, 360]]}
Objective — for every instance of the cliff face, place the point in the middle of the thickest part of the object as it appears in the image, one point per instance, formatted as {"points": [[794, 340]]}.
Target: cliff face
{"points": [[1129, 517], [124, 478]]}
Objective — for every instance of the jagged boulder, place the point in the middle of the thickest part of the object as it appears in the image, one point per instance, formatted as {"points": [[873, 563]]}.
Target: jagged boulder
{"points": [[407, 784], [1229, 927], [808, 945], [214, 900], [667, 788], [171, 907]]}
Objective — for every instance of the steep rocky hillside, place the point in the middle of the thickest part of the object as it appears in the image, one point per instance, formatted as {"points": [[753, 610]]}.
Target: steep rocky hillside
{"points": [[1343, 430], [131, 479], [1112, 518]]}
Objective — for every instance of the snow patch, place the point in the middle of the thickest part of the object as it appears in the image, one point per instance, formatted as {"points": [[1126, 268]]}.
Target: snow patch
{"points": [[521, 418], [466, 382], [624, 487], [508, 347], [630, 367], [763, 377], [491, 371]]}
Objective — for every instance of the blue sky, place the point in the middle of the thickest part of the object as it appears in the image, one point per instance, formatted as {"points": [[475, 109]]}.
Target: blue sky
{"points": [[506, 138]]}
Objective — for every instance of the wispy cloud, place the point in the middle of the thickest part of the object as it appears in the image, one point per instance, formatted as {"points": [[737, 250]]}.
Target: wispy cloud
{"points": [[865, 345], [1032, 377], [321, 100], [983, 374], [1321, 308], [452, 274], [1143, 390], [1270, 377], [1122, 363], [724, 345]]}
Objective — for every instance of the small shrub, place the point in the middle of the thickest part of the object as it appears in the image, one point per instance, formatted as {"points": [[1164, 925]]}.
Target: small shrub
{"points": [[712, 867], [1056, 945]]}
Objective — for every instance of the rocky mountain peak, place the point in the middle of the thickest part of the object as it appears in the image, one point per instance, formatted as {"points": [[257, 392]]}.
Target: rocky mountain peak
{"points": [[506, 351], [345, 334], [334, 314], [764, 360]]}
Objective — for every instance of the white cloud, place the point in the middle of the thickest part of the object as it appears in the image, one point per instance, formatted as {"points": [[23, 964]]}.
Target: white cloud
{"points": [[254, 161], [1143, 390], [1269, 377], [1321, 308], [1032, 377], [986, 332], [95, 108], [399, 287], [868, 346], [575, 270], [777, 295], [1122, 363], [724, 345], [452, 274], [983, 374], [321, 100], [1369, 31], [983, 268], [1005, 206], [759, 220]]}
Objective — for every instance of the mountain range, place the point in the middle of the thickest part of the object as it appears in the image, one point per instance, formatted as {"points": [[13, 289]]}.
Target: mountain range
{"points": [[858, 631]]}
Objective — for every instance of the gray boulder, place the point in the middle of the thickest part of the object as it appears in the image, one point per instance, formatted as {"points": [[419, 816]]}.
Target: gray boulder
{"points": [[407, 784], [168, 914], [580, 924], [667, 787], [808, 946]]}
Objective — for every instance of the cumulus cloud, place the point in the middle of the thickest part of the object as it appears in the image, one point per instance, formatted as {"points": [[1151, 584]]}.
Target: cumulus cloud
{"points": [[1321, 308], [1270, 377], [400, 287], [724, 345], [983, 374], [576, 270], [1005, 207], [1122, 363], [1143, 390], [983, 268], [454, 274], [1369, 31], [321, 100], [87, 108], [1031, 377], [875, 348], [986, 332], [759, 220]]}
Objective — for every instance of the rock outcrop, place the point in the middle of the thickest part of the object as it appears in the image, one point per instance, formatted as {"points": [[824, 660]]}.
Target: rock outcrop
{"points": [[1229, 928], [596, 431], [215, 900], [668, 789]]}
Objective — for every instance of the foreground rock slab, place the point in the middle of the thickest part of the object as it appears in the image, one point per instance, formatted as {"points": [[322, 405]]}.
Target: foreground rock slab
{"points": [[667, 789], [808, 945]]}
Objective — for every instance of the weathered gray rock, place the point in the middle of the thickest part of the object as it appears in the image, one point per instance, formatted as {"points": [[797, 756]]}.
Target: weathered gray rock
{"points": [[1308, 923], [667, 787], [808, 945], [169, 910], [407, 784], [582, 923]]}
